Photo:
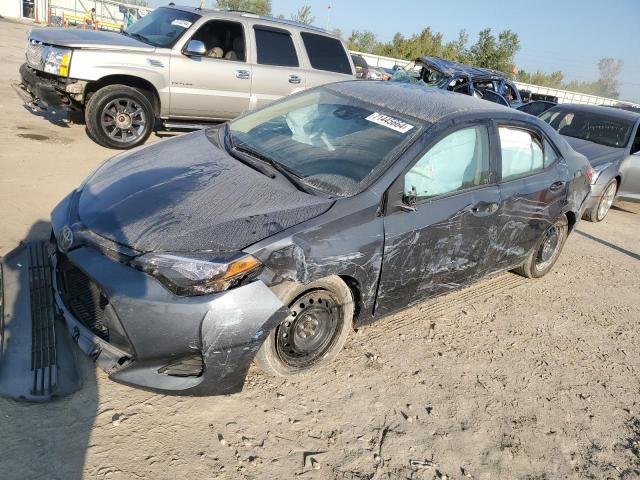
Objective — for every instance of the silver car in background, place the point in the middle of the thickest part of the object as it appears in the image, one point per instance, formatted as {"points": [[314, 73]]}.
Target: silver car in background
{"points": [[610, 139], [179, 65]]}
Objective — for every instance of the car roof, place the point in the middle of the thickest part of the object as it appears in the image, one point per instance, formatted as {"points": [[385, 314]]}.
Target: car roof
{"points": [[425, 103], [449, 67], [598, 109], [236, 14]]}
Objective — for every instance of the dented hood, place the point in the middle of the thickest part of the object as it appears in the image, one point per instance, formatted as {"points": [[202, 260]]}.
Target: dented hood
{"points": [[76, 38], [186, 194], [596, 153]]}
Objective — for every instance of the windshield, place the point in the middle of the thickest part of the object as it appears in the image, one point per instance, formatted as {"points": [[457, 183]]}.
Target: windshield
{"points": [[416, 72], [596, 128], [331, 142], [162, 27]]}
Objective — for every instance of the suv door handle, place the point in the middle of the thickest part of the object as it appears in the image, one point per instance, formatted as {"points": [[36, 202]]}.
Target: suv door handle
{"points": [[243, 74], [555, 186], [294, 79], [482, 209]]}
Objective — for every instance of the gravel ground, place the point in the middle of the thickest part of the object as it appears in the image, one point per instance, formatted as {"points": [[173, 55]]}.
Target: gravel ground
{"points": [[511, 378]]}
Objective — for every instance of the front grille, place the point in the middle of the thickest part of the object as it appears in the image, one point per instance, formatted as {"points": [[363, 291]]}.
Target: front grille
{"points": [[83, 297], [34, 54]]}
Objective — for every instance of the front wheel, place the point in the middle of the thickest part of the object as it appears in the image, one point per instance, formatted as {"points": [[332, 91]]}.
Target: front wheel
{"points": [[546, 251], [597, 213], [119, 117], [320, 318]]}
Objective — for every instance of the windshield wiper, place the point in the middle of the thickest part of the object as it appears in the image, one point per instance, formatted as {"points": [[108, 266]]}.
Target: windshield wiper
{"points": [[284, 171], [137, 36], [242, 158]]}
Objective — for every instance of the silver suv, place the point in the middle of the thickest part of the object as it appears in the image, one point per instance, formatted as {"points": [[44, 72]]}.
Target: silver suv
{"points": [[177, 65]]}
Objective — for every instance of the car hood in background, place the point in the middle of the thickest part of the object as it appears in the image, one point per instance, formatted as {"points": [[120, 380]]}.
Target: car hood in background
{"points": [[76, 38], [596, 154], [185, 194]]}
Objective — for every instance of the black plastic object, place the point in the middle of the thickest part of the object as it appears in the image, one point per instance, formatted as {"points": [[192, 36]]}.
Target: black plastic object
{"points": [[37, 360]]}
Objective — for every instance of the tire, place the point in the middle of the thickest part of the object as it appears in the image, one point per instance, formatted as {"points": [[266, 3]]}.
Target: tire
{"points": [[119, 117], [599, 212], [540, 261], [292, 347]]}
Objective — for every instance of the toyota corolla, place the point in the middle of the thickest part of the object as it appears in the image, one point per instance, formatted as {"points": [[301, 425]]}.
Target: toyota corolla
{"points": [[267, 239]]}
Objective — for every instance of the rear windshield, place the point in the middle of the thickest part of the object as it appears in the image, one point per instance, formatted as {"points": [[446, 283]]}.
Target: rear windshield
{"points": [[162, 27], [331, 142], [596, 128]]}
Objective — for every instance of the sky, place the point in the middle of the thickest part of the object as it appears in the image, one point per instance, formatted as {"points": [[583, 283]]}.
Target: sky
{"points": [[567, 35]]}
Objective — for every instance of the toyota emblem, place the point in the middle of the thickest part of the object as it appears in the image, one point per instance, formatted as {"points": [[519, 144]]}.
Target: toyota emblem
{"points": [[66, 239]]}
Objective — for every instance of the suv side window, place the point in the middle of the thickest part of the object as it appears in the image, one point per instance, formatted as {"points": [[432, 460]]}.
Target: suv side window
{"points": [[457, 162], [275, 47], [222, 39], [326, 53], [522, 152]]}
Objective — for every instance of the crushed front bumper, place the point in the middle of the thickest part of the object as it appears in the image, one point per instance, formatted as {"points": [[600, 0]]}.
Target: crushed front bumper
{"points": [[37, 88], [224, 330]]}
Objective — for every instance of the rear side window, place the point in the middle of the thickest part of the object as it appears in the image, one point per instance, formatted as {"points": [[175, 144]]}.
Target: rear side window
{"points": [[326, 53], [275, 47], [522, 153], [457, 162]]}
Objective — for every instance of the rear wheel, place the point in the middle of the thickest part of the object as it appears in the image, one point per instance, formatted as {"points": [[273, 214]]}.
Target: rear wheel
{"points": [[119, 117], [320, 318], [547, 250], [597, 213]]}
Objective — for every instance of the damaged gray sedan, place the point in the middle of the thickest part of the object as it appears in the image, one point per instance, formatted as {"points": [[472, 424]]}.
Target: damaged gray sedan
{"points": [[268, 239]]}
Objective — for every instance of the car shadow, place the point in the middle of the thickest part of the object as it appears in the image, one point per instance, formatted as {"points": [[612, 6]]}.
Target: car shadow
{"points": [[609, 244], [59, 118], [50, 439]]}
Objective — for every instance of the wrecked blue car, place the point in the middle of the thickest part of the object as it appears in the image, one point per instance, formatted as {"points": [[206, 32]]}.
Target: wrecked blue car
{"points": [[268, 239]]}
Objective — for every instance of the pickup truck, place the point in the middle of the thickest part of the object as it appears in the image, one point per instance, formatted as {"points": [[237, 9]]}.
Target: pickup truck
{"points": [[181, 66]]}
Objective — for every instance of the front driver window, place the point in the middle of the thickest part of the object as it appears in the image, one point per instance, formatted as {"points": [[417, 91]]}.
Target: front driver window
{"points": [[522, 152], [458, 161]]}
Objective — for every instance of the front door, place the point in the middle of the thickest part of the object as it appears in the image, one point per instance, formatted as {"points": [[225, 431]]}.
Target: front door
{"points": [[443, 243], [217, 84]]}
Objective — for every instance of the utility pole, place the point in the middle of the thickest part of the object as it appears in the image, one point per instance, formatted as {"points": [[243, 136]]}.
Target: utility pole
{"points": [[328, 15]]}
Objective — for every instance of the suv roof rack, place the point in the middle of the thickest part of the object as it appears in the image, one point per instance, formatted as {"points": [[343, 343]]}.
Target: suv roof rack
{"points": [[247, 13]]}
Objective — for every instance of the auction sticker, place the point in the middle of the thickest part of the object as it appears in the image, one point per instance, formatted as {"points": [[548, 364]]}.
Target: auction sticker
{"points": [[389, 122], [181, 23]]}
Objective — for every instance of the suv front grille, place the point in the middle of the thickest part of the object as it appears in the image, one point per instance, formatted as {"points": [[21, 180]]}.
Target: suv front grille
{"points": [[34, 54], [83, 297]]}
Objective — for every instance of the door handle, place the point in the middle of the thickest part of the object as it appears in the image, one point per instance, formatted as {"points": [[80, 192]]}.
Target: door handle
{"points": [[294, 79], [243, 74], [555, 186], [482, 209]]}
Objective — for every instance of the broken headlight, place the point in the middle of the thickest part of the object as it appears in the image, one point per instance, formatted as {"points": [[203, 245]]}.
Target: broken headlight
{"points": [[57, 61], [199, 275]]}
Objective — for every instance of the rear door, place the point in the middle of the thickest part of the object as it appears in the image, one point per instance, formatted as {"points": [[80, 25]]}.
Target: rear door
{"points": [[276, 70], [533, 189], [442, 244], [211, 86], [327, 58]]}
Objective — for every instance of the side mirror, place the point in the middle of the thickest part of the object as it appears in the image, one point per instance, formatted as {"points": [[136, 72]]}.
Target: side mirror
{"points": [[409, 201], [195, 47]]}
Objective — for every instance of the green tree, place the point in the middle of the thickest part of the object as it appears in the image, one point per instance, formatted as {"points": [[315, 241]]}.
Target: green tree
{"points": [[303, 15], [610, 69], [498, 54], [364, 41], [259, 7]]}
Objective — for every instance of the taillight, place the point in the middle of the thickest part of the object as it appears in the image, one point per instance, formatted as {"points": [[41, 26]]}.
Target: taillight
{"points": [[590, 173]]}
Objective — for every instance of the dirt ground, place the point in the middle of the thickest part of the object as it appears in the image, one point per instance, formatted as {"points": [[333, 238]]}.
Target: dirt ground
{"points": [[511, 378]]}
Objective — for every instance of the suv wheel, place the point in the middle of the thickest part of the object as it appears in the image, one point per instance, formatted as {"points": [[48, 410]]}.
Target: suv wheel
{"points": [[119, 117]]}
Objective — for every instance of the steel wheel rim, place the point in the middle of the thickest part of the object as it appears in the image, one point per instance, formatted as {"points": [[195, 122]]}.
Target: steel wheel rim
{"points": [[606, 201], [549, 248], [123, 120], [310, 330]]}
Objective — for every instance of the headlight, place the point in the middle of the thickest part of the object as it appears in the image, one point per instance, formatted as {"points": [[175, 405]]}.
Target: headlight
{"points": [[598, 170], [57, 61], [188, 276]]}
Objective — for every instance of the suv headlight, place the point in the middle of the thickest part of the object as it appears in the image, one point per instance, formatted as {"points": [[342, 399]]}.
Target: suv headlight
{"points": [[598, 170], [188, 276], [57, 61]]}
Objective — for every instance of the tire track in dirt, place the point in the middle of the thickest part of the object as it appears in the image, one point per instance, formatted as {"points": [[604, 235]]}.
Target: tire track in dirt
{"points": [[448, 303]]}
